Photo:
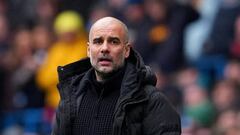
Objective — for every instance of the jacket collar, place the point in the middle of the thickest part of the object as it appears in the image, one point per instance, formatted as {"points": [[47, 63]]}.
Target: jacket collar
{"points": [[83, 65], [136, 73], [72, 69], [108, 86]]}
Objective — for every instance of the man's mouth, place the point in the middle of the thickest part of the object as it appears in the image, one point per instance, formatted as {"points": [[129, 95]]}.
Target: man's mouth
{"points": [[104, 61]]}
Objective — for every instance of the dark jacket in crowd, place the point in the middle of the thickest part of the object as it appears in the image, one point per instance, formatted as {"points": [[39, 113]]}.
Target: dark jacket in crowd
{"points": [[140, 109]]}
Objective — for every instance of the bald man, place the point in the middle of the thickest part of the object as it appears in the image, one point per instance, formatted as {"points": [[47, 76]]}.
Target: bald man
{"points": [[112, 92]]}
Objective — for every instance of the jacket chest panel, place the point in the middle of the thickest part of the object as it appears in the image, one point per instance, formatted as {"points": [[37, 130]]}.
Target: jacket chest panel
{"points": [[129, 120]]}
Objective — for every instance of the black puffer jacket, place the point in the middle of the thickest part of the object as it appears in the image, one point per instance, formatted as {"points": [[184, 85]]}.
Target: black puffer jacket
{"points": [[140, 110]]}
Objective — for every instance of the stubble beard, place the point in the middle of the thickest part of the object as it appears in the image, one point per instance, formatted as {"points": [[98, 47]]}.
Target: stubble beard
{"points": [[104, 73]]}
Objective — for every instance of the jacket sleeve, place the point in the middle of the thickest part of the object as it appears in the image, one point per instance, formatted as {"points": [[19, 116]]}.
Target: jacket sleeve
{"points": [[160, 116], [56, 124]]}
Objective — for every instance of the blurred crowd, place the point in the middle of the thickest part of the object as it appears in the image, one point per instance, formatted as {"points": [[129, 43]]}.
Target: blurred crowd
{"points": [[192, 45]]}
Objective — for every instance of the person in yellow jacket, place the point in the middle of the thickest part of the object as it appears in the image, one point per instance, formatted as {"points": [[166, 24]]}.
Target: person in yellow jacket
{"points": [[70, 46]]}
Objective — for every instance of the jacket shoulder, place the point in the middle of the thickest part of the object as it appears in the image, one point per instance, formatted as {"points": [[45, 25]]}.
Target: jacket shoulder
{"points": [[154, 94], [73, 69]]}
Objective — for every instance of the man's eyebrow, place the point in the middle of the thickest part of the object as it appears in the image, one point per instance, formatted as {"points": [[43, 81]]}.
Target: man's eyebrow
{"points": [[114, 38], [117, 38], [97, 38]]}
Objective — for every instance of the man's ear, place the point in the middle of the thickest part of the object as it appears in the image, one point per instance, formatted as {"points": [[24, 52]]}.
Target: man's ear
{"points": [[127, 50], [88, 49]]}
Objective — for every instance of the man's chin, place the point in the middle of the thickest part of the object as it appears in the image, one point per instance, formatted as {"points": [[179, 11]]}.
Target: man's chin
{"points": [[105, 71]]}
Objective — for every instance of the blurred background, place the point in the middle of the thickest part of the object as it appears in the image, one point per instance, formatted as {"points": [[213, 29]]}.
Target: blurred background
{"points": [[192, 45]]}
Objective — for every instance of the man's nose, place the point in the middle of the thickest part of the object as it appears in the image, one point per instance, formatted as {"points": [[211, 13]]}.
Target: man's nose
{"points": [[105, 47]]}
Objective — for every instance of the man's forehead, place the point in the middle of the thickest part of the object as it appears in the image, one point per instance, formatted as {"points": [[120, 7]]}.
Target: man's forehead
{"points": [[108, 25], [105, 37], [106, 30], [110, 30]]}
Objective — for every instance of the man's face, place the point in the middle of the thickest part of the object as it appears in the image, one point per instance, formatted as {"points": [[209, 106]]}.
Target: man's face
{"points": [[107, 48]]}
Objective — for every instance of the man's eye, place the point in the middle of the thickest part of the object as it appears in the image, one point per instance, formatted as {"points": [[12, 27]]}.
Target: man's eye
{"points": [[97, 42], [115, 42]]}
